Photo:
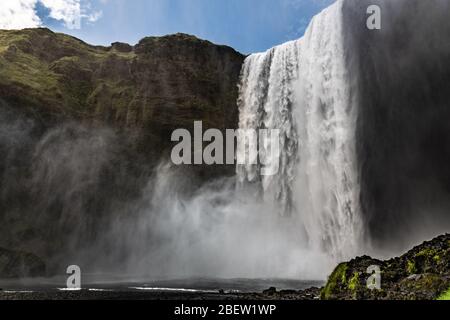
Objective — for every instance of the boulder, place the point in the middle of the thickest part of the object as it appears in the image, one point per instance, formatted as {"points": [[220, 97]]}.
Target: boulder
{"points": [[422, 273]]}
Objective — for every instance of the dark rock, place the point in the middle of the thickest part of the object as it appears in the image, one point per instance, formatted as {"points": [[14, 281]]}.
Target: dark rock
{"points": [[402, 131], [121, 47], [271, 291], [421, 273], [286, 292], [17, 264]]}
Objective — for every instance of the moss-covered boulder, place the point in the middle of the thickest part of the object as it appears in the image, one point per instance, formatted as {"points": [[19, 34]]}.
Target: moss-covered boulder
{"points": [[17, 264], [421, 273]]}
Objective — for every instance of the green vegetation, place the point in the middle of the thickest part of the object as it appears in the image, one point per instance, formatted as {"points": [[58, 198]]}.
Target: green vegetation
{"points": [[445, 295], [354, 282], [337, 278], [420, 274], [428, 253], [411, 267], [161, 82], [39, 68]]}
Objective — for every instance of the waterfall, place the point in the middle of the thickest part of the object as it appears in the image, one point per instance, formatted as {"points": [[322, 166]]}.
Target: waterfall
{"points": [[302, 88]]}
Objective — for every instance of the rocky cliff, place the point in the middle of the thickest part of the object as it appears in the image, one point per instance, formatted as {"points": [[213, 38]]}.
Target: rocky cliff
{"points": [[158, 85], [20, 264], [423, 273], [83, 127]]}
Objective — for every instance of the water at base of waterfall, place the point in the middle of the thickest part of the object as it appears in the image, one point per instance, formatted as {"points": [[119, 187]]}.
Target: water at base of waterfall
{"points": [[180, 286]]}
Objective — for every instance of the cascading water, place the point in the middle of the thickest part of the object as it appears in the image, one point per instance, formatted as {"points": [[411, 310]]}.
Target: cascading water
{"points": [[302, 89], [266, 101]]}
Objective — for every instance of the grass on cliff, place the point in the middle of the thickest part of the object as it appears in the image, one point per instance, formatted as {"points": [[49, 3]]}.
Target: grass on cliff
{"points": [[61, 77]]}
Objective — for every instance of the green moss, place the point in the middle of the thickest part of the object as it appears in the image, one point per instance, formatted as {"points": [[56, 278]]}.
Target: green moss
{"points": [[51, 74], [445, 295], [337, 278], [437, 258], [427, 252], [411, 267], [28, 71], [425, 283], [53, 81], [354, 281]]}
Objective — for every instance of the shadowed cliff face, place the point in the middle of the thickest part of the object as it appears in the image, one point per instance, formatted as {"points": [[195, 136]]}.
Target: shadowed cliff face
{"points": [[148, 90], [83, 127], [402, 74]]}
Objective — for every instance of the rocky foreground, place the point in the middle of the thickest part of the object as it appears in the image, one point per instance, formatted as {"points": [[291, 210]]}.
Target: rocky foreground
{"points": [[422, 273], [271, 294]]}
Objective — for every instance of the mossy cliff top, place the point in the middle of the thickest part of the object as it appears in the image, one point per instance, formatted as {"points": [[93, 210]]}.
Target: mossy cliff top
{"points": [[421, 273], [147, 90], [161, 83]]}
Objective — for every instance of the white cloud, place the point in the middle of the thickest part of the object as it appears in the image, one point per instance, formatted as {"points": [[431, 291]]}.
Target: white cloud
{"points": [[18, 14], [94, 16], [68, 11]]}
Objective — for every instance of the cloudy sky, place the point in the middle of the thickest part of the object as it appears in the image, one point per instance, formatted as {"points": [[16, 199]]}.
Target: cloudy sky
{"points": [[247, 25]]}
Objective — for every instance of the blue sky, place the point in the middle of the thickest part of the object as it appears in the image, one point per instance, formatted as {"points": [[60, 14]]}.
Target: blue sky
{"points": [[246, 25]]}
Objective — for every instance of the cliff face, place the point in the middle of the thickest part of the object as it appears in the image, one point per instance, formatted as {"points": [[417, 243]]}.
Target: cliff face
{"points": [[156, 86], [20, 265], [403, 138], [82, 128]]}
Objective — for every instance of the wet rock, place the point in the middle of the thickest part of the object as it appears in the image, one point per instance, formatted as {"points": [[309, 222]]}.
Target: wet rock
{"points": [[422, 273], [17, 264], [271, 291]]}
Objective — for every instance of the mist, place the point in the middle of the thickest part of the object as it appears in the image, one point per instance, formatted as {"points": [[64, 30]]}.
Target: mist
{"points": [[70, 202], [219, 231]]}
